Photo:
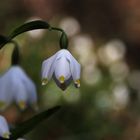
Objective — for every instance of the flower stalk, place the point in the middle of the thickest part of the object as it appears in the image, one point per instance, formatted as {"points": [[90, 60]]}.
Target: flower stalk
{"points": [[34, 25], [63, 39]]}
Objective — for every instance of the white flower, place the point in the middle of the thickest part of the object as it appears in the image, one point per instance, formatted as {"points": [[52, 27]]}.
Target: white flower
{"points": [[20, 139], [4, 129], [63, 67], [16, 86]]}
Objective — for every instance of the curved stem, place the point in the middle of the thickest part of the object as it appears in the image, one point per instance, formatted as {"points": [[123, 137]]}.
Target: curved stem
{"points": [[57, 29], [63, 39], [33, 25]]}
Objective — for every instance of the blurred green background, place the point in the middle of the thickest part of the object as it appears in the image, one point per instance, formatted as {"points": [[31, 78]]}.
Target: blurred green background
{"points": [[104, 36]]}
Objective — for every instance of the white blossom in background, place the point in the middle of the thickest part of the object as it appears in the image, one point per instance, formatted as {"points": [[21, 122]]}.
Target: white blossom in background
{"points": [[4, 128], [21, 139], [63, 67], [112, 51], [120, 96], [83, 47], [119, 71], [91, 74], [70, 25], [17, 87]]}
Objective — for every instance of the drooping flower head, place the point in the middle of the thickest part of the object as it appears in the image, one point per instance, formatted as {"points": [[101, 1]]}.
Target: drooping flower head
{"points": [[17, 87], [63, 67]]}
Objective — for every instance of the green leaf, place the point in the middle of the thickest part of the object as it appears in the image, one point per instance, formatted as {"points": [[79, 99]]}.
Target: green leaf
{"points": [[33, 25], [30, 124]]}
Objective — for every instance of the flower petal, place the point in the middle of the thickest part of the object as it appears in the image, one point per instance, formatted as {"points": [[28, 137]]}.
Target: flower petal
{"points": [[75, 68], [62, 69], [6, 94], [4, 129], [32, 93], [29, 86], [20, 93], [29, 93], [47, 69]]}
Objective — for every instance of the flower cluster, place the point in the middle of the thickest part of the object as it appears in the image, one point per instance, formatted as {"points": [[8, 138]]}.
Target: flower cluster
{"points": [[16, 87], [63, 67]]}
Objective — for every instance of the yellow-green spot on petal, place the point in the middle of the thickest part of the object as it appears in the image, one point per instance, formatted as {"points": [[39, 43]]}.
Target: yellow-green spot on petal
{"points": [[6, 135], [22, 105], [77, 83], [44, 81], [62, 79]]}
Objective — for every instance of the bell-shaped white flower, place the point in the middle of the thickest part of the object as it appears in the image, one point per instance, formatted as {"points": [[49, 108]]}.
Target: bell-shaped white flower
{"points": [[4, 129], [16, 86], [63, 67]]}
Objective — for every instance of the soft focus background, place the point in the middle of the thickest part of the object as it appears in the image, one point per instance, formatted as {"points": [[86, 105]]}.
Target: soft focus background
{"points": [[104, 36]]}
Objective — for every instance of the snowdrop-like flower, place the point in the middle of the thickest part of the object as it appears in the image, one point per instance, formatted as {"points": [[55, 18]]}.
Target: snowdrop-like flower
{"points": [[63, 67], [16, 86], [4, 129]]}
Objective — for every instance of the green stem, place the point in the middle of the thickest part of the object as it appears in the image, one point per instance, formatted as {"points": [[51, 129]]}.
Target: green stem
{"points": [[57, 29], [63, 39], [33, 25], [30, 124], [15, 55], [15, 59]]}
